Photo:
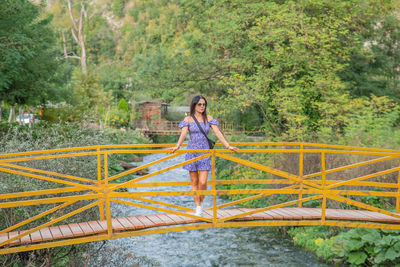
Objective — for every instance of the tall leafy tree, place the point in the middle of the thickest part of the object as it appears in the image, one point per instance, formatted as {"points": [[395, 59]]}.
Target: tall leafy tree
{"points": [[374, 67], [28, 55]]}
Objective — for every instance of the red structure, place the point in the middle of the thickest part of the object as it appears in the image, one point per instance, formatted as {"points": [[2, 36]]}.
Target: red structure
{"points": [[152, 111]]}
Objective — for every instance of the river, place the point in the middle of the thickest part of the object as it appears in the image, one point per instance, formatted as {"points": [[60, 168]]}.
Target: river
{"points": [[252, 246]]}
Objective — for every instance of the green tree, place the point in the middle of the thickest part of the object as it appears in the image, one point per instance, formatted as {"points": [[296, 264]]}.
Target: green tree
{"points": [[28, 55], [286, 57], [374, 67], [89, 98]]}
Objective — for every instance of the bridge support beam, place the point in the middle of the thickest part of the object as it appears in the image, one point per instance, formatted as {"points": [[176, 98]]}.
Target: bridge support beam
{"points": [[301, 156]]}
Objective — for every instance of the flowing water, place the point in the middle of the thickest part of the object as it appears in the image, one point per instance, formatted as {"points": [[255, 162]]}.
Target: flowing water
{"points": [[252, 246]]}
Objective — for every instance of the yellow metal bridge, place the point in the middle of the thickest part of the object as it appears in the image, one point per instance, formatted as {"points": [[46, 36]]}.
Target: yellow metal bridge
{"points": [[300, 184]]}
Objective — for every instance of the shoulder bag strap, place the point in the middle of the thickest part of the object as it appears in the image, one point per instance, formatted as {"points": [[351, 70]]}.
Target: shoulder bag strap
{"points": [[200, 128]]}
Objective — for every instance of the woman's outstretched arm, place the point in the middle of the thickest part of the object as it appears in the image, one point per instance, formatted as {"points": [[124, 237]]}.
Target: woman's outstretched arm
{"points": [[221, 137], [181, 138]]}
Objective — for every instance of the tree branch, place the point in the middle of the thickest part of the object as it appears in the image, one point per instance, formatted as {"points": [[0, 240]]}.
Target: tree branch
{"points": [[70, 14], [72, 57], [73, 35], [81, 20]]}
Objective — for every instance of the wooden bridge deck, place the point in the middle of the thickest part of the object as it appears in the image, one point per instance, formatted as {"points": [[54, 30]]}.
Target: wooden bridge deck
{"points": [[91, 228], [160, 132]]}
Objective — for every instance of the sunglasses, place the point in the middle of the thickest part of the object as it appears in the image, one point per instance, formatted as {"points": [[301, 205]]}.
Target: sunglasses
{"points": [[202, 104]]}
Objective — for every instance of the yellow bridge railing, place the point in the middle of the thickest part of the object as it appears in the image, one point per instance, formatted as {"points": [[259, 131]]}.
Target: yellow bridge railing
{"points": [[332, 175]]}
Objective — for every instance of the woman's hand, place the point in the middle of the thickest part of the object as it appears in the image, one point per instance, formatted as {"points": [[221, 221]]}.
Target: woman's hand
{"points": [[174, 149], [232, 148]]}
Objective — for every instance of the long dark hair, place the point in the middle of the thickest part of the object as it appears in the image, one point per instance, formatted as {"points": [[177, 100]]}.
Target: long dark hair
{"points": [[196, 100]]}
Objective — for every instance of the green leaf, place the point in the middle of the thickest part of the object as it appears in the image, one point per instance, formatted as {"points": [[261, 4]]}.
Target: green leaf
{"points": [[357, 257], [392, 254], [380, 258], [353, 245], [396, 246], [369, 250], [371, 237], [338, 248]]}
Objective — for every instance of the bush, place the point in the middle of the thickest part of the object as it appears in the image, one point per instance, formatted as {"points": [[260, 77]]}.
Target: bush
{"points": [[358, 247]]}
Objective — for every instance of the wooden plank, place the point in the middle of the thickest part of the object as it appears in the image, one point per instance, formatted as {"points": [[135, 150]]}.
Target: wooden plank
{"points": [[96, 227], [380, 216], [156, 221], [247, 217], [25, 239], [311, 213], [86, 228], [274, 215], [137, 223], [285, 214], [221, 213], [189, 219], [166, 219], [66, 232], [352, 215], [373, 217], [147, 223], [36, 237], [126, 224], [14, 234], [103, 225], [3, 237], [208, 214], [334, 214], [297, 213], [293, 214], [76, 230], [251, 216], [186, 220], [116, 225], [234, 212], [363, 215], [259, 215], [177, 218], [174, 218], [56, 232], [267, 216], [46, 235]]}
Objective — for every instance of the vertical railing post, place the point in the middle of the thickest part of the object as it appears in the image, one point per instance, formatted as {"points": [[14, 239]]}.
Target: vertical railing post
{"points": [[107, 198], [398, 191], [323, 178], [301, 155], [101, 203], [213, 187]]}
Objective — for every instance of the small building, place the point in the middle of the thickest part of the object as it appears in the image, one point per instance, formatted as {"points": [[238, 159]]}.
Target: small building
{"points": [[152, 111]]}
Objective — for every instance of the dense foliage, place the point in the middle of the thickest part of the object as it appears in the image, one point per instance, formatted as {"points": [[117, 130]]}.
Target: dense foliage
{"points": [[28, 55], [358, 247]]}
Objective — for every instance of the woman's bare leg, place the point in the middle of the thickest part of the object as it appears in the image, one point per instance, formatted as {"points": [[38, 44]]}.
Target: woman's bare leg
{"points": [[194, 178], [202, 183]]}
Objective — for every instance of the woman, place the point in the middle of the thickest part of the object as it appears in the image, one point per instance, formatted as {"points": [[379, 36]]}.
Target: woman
{"points": [[198, 170]]}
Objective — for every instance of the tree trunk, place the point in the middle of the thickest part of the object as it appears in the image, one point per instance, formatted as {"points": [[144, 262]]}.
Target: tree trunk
{"points": [[64, 46], [77, 33], [31, 111], [83, 55], [11, 117], [20, 115]]}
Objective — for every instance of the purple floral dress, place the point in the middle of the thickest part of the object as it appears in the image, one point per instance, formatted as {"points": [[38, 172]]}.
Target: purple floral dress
{"points": [[197, 141]]}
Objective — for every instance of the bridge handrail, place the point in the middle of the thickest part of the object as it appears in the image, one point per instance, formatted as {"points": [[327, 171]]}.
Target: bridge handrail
{"points": [[102, 192]]}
